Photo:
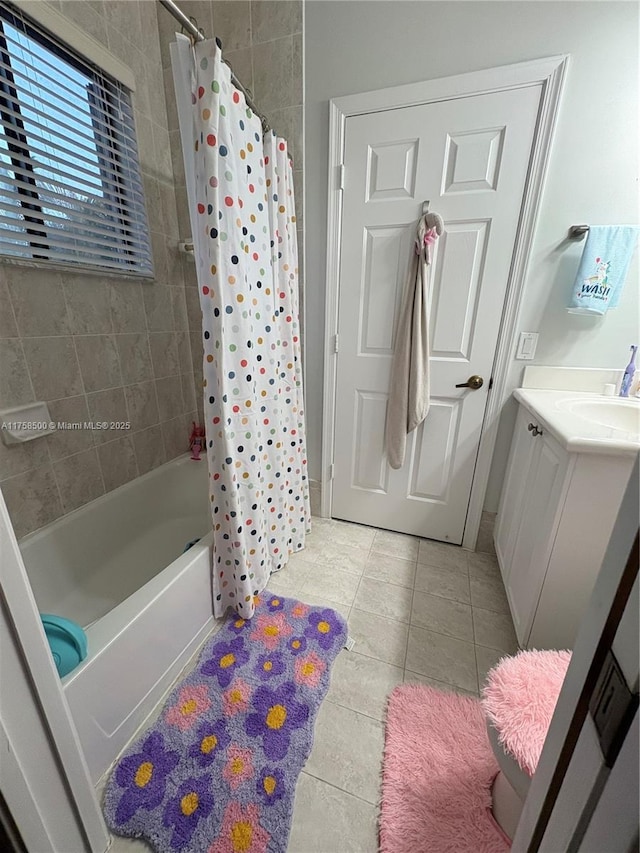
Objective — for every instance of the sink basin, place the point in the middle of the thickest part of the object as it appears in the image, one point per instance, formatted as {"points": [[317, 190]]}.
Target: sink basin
{"points": [[615, 414]]}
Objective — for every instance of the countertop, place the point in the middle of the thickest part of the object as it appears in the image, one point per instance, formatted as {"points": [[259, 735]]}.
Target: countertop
{"points": [[578, 434]]}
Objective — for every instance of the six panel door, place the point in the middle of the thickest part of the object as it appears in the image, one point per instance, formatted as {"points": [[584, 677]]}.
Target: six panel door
{"points": [[469, 157]]}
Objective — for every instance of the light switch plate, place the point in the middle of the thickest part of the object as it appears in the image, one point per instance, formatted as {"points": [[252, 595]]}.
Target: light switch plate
{"points": [[527, 343]]}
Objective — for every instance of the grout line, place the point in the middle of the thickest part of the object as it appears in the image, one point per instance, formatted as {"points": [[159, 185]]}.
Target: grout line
{"points": [[338, 788], [353, 710], [406, 650], [451, 687]]}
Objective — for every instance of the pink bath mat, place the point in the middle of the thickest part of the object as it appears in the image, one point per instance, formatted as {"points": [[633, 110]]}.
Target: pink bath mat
{"points": [[437, 775]]}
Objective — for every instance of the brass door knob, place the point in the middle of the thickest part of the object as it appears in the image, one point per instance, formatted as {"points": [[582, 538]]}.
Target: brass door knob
{"points": [[473, 382]]}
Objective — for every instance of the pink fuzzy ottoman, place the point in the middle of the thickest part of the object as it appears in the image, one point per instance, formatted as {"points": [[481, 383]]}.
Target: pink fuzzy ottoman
{"points": [[519, 699]]}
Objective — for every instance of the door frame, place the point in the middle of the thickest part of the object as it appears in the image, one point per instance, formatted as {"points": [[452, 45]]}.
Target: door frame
{"points": [[549, 72], [77, 815]]}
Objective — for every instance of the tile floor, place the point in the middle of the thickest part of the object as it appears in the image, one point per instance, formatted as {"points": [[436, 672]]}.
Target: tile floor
{"points": [[418, 611]]}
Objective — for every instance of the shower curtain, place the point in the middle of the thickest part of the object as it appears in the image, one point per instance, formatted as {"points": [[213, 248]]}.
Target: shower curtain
{"points": [[243, 224]]}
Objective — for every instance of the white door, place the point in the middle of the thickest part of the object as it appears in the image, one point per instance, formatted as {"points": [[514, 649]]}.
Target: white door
{"points": [[469, 157]]}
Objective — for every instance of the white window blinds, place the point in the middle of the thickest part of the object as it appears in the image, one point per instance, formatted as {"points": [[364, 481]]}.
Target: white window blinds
{"points": [[70, 185]]}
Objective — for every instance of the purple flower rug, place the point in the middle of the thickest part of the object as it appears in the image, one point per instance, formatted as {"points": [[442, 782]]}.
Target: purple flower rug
{"points": [[217, 771]]}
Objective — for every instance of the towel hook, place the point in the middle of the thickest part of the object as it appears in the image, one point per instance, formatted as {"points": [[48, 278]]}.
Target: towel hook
{"points": [[425, 207]]}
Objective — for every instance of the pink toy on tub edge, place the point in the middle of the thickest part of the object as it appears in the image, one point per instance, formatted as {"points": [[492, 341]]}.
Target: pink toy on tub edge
{"points": [[196, 441]]}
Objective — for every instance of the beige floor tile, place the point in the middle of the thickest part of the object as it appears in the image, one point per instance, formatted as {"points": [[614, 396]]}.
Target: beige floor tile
{"points": [[331, 553], [416, 678], [494, 630], [327, 820], [289, 578], [483, 565], [442, 615], [378, 637], [382, 567], [347, 751], [384, 599], [363, 684], [448, 583], [488, 593], [354, 535], [323, 601], [396, 545], [443, 658], [486, 659], [331, 583], [443, 556]]}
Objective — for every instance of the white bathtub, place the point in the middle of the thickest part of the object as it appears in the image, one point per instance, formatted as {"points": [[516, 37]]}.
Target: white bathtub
{"points": [[117, 567]]}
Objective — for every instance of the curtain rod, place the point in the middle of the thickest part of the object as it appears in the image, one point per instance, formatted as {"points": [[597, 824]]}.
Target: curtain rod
{"points": [[197, 34]]}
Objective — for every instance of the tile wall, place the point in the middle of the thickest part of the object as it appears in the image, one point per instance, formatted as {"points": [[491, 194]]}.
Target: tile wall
{"points": [[102, 348], [97, 347]]}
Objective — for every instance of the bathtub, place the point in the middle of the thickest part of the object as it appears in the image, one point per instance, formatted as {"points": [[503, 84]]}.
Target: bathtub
{"points": [[116, 566]]}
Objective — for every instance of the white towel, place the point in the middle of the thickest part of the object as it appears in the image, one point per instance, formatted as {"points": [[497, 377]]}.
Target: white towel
{"points": [[409, 387]]}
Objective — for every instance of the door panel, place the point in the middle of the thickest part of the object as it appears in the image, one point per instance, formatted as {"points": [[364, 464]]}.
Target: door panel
{"points": [[385, 255], [469, 157], [461, 253]]}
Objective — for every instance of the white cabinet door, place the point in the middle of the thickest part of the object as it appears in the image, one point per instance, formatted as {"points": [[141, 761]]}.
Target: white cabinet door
{"points": [[470, 157], [540, 513], [514, 491]]}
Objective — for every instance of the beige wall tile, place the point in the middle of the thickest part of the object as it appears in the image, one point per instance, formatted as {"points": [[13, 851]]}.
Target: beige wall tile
{"points": [[53, 367], [127, 306], [232, 23], [297, 69], [241, 62], [118, 462], [15, 384], [149, 448], [121, 16], [142, 405], [106, 407], [188, 391], [99, 363], [135, 357], [65, 442], [194, 312], [175, 434], [38, 302], [88, 15], [170, 403], [164, 354], [179, 305], [79, 479], [272, 19], [88, 304], [18, 458], [272, 74], [32, 499], [184, 352], [158, 307], [8, 327]]}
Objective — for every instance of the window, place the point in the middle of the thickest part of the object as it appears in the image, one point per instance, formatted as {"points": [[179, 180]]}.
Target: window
{"points": [[70, 185]]}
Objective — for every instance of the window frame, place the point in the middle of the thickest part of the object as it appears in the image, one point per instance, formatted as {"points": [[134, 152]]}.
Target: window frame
{"points": [[34, 217]]}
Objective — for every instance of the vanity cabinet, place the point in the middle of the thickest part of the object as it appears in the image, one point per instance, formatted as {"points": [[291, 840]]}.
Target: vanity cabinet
{"points": [[556, 514]]}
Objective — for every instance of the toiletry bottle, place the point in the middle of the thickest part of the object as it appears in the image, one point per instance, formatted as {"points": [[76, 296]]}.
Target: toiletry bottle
{"points": [[629, 371]]}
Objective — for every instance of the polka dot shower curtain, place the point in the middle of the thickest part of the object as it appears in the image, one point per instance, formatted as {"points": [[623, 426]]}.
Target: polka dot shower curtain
{"points": [[246, 256]]}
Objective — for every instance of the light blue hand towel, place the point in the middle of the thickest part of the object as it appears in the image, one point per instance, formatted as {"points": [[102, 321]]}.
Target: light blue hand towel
{"points": [[603, 268]]}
